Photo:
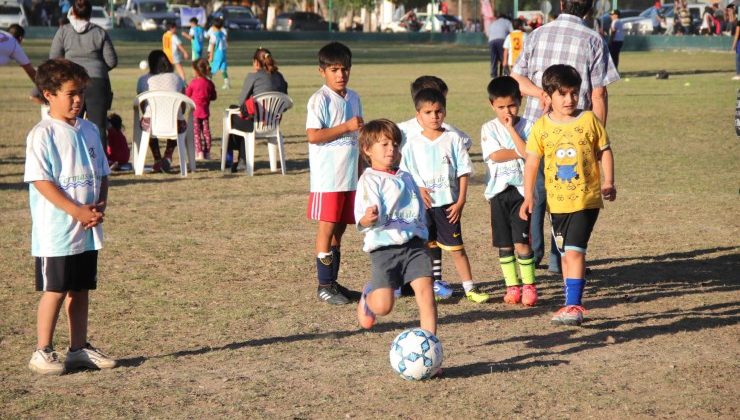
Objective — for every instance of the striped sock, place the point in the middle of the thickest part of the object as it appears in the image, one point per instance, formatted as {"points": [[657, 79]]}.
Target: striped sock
{"points": [[436, 254]]}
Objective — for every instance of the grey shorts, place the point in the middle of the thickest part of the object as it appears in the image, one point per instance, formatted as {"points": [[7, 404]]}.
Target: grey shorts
{"points": [[396, 265]]}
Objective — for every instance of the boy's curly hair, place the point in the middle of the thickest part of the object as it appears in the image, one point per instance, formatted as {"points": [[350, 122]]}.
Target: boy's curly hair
{"points": [[53, 73], [372, 132]]}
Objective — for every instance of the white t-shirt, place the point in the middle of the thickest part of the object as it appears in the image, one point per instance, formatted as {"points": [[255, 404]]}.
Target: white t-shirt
{"points": [[400, 209], [413, 125], [495, 137], [73, 159], [10, 49], [437, 164], [176, 54], [333, 164]]}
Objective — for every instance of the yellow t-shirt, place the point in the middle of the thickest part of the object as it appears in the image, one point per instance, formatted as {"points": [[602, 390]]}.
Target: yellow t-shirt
{"points": [[569, 150], [517, 45], [167, 45]]}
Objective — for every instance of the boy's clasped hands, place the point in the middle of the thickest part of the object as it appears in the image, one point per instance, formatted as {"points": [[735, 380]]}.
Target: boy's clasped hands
{"points": [[91, 215]]}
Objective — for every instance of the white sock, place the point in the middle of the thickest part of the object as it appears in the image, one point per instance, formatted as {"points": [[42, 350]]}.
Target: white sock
{"points": [[468, 285]]}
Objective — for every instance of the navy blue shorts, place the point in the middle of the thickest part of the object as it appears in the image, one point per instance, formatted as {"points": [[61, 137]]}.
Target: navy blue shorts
{"points": [[446, 235], [69, 273]]}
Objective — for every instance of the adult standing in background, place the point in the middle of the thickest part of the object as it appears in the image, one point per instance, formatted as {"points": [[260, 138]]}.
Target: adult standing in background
{"points": [[497, 31], [10, 49], [616, 36], [90, 46], [566, 40]]}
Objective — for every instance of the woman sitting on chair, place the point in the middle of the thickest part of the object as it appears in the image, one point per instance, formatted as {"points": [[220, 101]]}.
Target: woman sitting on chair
{"points": [[264, 78], [161, 76]]}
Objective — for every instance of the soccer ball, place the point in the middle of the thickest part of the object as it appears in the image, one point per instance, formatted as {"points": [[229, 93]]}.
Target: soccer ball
{"points": [[416, 354], [143, 65]]}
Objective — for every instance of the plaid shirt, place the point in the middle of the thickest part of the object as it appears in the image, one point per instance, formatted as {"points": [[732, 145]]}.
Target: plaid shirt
{"points": [[567, 40]]}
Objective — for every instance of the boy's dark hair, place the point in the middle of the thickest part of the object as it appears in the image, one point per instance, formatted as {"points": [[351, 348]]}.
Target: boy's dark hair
{"points": [[170, 25], [504, 87], [335, 53], [115, 121], [218, 23], [560, 76], [194, 20], [159, 63], [53, 73], [577, 7], [429, 96], [516, 24], [428, 82], [17, 31], [82, 9], [375, 130]]}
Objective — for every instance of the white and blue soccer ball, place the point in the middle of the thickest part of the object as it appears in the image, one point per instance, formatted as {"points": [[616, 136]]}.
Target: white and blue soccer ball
{"points": [[416, 354]]}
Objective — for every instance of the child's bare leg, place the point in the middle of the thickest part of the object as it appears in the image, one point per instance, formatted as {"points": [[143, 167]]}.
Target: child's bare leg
{"points": [[325, 236], [462, 265], [46, 317], [380, 301], [77, 306], [424, 292], [180, 71], [574, 265]]}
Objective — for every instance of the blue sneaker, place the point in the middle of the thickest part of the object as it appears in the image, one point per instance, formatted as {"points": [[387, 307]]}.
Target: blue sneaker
{"points": [[442, 290]]}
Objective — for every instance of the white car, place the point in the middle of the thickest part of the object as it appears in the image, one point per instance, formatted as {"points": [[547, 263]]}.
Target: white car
{"points": [[643, 24], [11, 12], [101, 18]]}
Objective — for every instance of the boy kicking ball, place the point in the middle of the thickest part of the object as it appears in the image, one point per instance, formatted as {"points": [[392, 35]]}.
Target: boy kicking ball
{"points": [[572, 142], [390, 212], [67, 172]]}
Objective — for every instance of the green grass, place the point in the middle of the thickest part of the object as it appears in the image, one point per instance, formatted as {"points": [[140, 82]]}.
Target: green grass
{"points": [[207, 284]]}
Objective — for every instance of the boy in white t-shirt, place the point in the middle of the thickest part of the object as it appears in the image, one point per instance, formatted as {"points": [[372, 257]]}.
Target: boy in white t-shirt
{"points": [[502, 142], [389, 211], [442, 289], [440, 164], [178, 51], [333, 120], [513, 45], [67, 172]]}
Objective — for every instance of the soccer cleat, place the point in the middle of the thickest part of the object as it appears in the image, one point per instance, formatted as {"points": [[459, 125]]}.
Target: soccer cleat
{"points": [[513, 295], [529, 295], [569, 315], [331, 295], [475, 295], [88, 357], [365, 316], [46, 361], [442, 290]]}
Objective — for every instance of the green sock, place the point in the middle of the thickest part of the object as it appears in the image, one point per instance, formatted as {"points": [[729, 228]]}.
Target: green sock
{"points": [[508, 267], [526, 267]]}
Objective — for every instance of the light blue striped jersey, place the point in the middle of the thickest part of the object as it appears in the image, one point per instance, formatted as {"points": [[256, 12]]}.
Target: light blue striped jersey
{"points": [[494, 137], [400, 209], [74, 160]]}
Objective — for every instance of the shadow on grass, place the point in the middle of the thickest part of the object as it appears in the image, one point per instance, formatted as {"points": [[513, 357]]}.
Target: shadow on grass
{"points": [[652, 73]]}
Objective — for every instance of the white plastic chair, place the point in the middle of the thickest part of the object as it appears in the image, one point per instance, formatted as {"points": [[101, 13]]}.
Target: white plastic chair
{"points": [[165, 107], [269, 109]]}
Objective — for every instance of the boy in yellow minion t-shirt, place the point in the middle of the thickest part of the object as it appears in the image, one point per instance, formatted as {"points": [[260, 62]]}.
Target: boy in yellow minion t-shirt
{"points": [[572, 142]]}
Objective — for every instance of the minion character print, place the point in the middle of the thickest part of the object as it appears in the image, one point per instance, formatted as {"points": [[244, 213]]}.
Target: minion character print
{"points": [[566, 162]]}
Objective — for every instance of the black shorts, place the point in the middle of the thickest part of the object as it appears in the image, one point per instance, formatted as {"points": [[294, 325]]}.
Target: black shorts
{"points": [[446, 235], [69, 273], [396, 265], [507, 228], [573, 230]]}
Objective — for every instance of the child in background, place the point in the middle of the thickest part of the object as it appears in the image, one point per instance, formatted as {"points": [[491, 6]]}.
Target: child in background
{"points": [[178, 51], [442, 289], [572, 142], [333, 120], [196, 38], [202, 91], [118, 153], [440, 165], [513, 45], [217, 51], [67, 174], [389, 211], [502, 142]]}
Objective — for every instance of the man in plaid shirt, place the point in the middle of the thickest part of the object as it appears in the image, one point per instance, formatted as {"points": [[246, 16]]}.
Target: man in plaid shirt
{"points": [[566, 40]]}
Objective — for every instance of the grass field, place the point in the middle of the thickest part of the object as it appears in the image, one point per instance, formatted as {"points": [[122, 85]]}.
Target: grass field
{"points": [[207, 283]]}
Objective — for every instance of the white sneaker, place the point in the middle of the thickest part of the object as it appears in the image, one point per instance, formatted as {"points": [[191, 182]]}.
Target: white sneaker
{"points": [[46, 362], [88, 357]]}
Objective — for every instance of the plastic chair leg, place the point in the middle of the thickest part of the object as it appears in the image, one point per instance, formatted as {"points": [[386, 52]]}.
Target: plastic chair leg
{"points": [[281, 152], [182, 151], [250, 153], [224, 142], [272, 151], [141, 153]]}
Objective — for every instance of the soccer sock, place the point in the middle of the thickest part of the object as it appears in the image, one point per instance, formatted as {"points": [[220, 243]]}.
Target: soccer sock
{"points": [[468, 285], [436, 254], [324, 271], [574, 291], [526, 267], [508, 267], [335, 263]]}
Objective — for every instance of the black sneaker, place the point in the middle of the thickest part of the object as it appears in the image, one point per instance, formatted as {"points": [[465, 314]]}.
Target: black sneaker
{"points": [[331, 295], [352, 295]]}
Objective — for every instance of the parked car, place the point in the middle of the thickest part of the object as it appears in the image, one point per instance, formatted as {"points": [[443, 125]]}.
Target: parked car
{"points": [[442, 23], [643, 25], [11, 12], [144, 15], [606, 20], [236, 17], [101, 18], [302, 21]]}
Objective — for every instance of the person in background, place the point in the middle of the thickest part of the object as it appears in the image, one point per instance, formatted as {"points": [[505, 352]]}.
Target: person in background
{"points": [[497, 31], [736, 48], [202, 91], [196, 36], [117, 152], [10, 49], [616, 37]]}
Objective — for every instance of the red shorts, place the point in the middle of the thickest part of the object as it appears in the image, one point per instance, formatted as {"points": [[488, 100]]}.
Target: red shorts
{"points": [[334, 207]]}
